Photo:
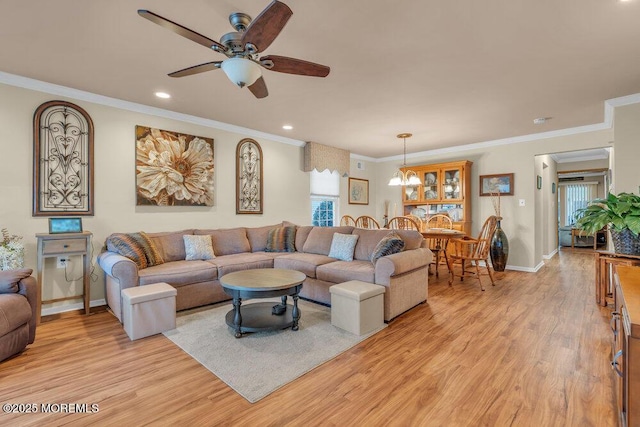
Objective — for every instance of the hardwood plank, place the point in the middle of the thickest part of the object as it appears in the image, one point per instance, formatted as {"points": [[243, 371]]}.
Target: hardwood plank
{"points": [[533, 350]]}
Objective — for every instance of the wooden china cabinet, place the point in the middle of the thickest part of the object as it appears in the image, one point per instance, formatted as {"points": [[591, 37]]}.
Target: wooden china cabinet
{"points": [[446, 187]]}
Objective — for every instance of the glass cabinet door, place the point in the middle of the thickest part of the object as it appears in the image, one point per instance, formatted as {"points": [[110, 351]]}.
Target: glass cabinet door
{"points": [[452, 184], [411, 194], [430, 185]]}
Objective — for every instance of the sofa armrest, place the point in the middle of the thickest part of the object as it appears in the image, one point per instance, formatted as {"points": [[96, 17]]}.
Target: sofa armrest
{"points": [[402, 262], [121, 268], [29, 288]]}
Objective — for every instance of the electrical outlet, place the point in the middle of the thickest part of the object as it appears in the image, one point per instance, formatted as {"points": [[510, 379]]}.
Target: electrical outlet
{"points": [[521, 202], [61, 262]]}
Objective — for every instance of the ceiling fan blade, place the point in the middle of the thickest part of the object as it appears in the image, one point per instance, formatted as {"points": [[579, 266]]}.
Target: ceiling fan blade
{"points": [[265, 28], [259, 88], [196, 69], [183, 31], [283, 64]]}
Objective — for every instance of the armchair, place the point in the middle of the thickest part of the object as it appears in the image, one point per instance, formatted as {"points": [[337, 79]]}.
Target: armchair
{"points": [[18, 317]]}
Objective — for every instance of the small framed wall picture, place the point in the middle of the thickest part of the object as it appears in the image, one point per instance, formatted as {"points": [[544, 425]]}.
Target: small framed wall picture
{"points": [[496, 183], [358, 191], [65, 225]]}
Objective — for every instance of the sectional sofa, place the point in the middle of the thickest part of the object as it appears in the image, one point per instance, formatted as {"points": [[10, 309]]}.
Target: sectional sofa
{"points": [[403, 274]]}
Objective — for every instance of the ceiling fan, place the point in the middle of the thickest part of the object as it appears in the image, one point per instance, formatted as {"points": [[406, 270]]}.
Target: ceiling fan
{"points": [[242, 47]]}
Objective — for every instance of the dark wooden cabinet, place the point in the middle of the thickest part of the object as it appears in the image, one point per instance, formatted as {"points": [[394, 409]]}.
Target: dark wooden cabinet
{"points": [[626, 344]]}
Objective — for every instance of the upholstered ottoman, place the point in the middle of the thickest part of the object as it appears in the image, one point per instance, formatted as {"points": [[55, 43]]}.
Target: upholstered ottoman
{"points": [[148, 310], [357, 307]]}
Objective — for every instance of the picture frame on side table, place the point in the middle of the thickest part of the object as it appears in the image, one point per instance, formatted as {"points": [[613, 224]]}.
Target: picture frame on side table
{"points": [[65, 225], [358, 191], [497, 183]]}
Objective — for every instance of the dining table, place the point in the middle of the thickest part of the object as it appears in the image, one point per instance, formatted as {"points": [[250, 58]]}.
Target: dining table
{"points": [[439, 239]]}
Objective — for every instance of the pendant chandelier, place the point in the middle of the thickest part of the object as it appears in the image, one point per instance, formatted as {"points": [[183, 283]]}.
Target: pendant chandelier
{"points": [[408, 177]]}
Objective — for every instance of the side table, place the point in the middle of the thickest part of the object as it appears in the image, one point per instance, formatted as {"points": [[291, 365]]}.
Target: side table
{"points": [[604, 259], [63, 244]]}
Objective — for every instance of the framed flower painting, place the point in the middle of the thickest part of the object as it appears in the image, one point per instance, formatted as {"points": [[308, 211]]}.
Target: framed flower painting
{"points": [[173, 169]]}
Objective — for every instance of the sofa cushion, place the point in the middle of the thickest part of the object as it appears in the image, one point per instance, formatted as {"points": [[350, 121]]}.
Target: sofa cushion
{"points": [[342, 246], [343, 271], [198, 247], [390, 244], [369, 239], [281, 239], [138, 247], [320, 238], [170, 244], [257, 237], [178, 273], [303, 262], [302, 233], [9, 279], [244, 261], [14, 312], [412, 239], [229, 241]]}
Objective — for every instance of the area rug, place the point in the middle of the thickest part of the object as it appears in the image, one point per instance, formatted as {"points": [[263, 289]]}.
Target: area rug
{"points": [[260, 363]]}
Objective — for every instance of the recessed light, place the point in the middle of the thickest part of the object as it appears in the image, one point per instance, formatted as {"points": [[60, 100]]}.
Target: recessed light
{"points": [[287, 127], [163, 95]]}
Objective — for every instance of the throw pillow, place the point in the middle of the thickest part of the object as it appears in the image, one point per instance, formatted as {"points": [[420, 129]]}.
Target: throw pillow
{"points": [[138, 247], [281, 239], [9, 279], [198, 247], [392, 243], [342, 246]]}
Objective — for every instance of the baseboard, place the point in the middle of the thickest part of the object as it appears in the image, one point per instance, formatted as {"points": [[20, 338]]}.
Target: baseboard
{"points": [[71, 307], [518, 268], [551, 255]]}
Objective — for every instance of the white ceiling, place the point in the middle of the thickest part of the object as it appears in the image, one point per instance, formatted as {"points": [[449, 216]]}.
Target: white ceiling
{"points": [[450, 72]]}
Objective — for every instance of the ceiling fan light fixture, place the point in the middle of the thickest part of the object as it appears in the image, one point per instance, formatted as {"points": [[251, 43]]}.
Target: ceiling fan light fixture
{"points": [[242, 72]]}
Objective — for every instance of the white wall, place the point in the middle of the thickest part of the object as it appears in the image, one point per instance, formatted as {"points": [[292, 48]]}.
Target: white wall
{"points": [[286, 186], [519, 223], [627, 149]]}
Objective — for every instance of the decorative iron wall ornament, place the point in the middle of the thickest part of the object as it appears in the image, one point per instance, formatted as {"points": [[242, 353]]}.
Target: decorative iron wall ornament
{"points": [[62, 160], [173, 169], [248, 177]]}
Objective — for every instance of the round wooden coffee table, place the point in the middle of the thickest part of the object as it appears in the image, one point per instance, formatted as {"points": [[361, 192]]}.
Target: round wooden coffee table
{"points": [[262, 283]]}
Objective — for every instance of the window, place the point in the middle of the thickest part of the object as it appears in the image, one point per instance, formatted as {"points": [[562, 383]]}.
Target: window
{"points": [[325, 192], [577, 196]]}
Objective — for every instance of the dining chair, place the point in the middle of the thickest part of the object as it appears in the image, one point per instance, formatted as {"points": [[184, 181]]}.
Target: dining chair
{"points": [[469, 250], [435, 243], [366, 221], [403, 223], [440, 221], [347, 220]]}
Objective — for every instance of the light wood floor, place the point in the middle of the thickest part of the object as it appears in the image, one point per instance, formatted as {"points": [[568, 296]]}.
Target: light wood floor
{"points": [[532, 351]]}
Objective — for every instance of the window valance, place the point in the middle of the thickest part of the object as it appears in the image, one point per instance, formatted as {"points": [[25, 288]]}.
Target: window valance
{"points": [[321, 157]]}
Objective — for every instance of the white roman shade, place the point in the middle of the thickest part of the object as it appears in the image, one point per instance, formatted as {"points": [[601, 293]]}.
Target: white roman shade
{"points": [[321, 157], [325, 183]]}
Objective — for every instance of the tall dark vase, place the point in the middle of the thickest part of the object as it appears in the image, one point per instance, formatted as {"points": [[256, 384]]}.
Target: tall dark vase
{"points": [[499, 249]]}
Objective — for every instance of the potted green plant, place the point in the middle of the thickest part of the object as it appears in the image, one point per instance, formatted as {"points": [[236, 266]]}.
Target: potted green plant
{"points": [[621, 213]]}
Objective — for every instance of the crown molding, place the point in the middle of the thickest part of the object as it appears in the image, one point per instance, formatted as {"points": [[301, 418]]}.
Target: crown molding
{"points": [[54, 89], [609, 107]]}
